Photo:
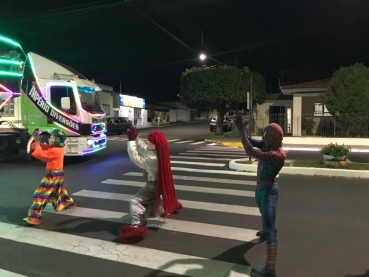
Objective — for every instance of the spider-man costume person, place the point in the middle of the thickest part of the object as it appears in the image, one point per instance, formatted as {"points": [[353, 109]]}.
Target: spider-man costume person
{"points": [[271, 160], [158, 196]]}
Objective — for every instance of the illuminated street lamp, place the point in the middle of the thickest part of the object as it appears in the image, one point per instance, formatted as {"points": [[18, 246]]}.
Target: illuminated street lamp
{"points": [[203, 57]]}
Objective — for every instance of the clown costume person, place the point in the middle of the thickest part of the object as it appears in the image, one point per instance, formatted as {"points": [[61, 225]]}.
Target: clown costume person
{"points": [[51, 188], [158, 196], [271, 160]]}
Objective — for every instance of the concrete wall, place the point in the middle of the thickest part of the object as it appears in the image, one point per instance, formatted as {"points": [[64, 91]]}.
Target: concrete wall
{"points": [[303, 109], [172, 115], [106, 98], [308, 104], [183, 115], [308, 112]]}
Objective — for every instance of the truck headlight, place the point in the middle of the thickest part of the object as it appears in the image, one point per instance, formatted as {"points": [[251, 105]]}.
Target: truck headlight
{"points": [[90, 143]]}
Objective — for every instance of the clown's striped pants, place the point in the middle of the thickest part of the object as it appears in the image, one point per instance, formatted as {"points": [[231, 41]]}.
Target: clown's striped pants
{"points": [[51, 189]]}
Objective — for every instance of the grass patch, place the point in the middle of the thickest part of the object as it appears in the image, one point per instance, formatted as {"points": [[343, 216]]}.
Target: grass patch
{"points": [[319, 164]]}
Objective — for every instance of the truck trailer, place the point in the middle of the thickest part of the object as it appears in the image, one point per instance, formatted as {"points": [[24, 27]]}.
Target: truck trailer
{"points": [[39, 94]]}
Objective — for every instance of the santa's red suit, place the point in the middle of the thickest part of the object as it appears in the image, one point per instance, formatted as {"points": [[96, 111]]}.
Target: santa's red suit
{"points": [[158, 196]]}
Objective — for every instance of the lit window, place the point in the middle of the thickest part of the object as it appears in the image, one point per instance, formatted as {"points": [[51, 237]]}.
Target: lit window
{"points": [[320, 109]]}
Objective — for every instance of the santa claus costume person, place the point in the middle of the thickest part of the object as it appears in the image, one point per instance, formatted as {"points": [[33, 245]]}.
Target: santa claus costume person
{"points": [[158, 196]]}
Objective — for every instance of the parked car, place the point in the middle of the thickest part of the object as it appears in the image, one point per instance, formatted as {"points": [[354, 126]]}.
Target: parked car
{"points": [[227, 124], [118, 125]]}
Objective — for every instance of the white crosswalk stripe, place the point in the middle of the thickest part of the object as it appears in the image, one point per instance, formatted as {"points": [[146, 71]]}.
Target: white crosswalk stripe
{"points": [[129, 254], [5, 273], [196, 205], [176, 141], [206, 189], [185, 188], [202, 179]]}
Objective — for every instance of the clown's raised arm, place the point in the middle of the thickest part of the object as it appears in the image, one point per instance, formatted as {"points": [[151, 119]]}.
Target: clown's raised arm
{"points": [[141, 157]]}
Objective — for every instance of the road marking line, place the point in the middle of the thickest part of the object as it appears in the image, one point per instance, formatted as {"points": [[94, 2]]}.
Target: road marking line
{"points": [[227, 149], [199, 163], [185, 188], [214, 171], [128, 254], [219, 152], [173, 140], [201, 179], [215, 155], [183, 141], [200, 158], [196, 205], [195, 228], [195, 143]]}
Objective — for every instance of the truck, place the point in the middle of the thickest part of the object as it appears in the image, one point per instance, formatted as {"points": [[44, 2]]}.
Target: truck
{"points": [[38, 94]]}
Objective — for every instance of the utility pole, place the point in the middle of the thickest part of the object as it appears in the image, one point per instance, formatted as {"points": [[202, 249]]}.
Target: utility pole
{"points": [[120, 87], [202, 38], [249, 102], [236, 65]]}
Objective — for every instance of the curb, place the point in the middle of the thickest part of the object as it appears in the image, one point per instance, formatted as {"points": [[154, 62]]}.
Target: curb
{"points": [[308, 171], [287, 148]]}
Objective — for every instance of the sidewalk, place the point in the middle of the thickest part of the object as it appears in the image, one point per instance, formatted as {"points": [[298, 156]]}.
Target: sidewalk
{"points": [[232, 139], [169, 124]]}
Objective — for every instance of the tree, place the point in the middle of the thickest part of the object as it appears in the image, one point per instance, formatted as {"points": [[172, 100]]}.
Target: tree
{"points": [[348, 91], [347, 97], [215, 88]]}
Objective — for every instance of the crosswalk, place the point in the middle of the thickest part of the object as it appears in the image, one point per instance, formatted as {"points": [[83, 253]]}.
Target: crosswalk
{"points": [[176, 141], [219, 211]]}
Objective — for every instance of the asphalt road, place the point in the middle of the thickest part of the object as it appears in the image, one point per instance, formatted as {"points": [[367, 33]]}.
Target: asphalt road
{"points": [[322, 222]]}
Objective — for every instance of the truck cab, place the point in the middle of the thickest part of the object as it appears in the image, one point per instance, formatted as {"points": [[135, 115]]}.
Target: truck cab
{"points": [[39, 94], [59, 96]]}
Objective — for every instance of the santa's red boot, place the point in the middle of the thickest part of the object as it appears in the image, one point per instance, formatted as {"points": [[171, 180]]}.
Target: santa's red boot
{"points": [[132, 234]]}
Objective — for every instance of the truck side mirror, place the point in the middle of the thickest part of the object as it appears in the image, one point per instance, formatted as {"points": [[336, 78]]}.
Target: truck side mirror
{"points": [[65, 103]]}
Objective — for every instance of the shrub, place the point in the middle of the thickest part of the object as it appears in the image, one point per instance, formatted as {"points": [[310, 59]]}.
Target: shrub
{"points": [[335, 150]]}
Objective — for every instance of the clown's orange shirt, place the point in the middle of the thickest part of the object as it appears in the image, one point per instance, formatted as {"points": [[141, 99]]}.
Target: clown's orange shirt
{"points": [[54, 156]]}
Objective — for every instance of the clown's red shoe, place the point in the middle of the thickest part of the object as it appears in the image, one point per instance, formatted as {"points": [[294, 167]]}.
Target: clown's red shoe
{"points": [[132, 234]]}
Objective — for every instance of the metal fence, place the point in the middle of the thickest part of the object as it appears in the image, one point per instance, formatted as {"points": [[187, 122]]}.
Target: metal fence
{"points": [[348, 125]]}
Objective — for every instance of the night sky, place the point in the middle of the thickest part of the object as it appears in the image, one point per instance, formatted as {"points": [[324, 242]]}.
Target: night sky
{"points": [[115, 41]]}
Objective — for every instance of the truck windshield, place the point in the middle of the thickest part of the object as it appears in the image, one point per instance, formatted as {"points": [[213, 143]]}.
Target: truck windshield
{"points": [[90, 100]]}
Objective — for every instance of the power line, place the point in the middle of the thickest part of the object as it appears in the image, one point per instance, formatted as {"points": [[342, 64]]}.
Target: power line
{"points": [[175, 21], [178, 19], [180, 16], [163, 29]]}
